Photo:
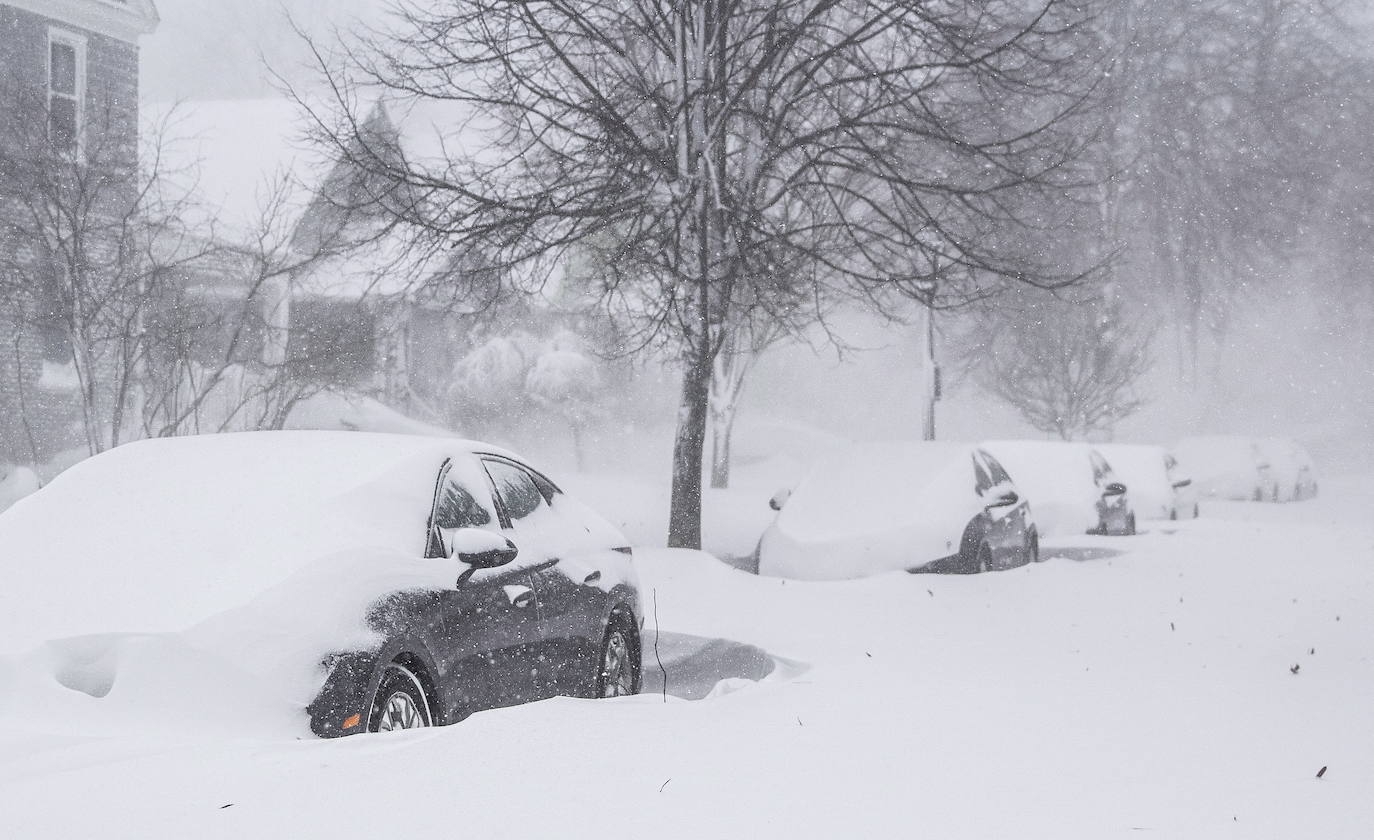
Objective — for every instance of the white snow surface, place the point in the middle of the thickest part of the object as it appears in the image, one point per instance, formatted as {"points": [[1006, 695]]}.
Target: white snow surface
{"points": [[1127, 687], [873, 508], [1057, 478]]}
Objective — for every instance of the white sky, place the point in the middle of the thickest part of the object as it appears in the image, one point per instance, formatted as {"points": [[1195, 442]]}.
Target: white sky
{"points": [[211, 49]]}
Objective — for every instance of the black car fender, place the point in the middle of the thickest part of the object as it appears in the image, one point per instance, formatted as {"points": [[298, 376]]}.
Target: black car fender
{"points": [[351, 682]]}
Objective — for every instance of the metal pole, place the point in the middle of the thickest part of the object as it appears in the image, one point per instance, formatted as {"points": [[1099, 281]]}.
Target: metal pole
{"points": [[932, 374]]}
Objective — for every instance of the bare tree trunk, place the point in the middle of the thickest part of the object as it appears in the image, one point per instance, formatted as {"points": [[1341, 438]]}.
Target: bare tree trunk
{"points": [[579, 453], [722, 425], [684, 516]]}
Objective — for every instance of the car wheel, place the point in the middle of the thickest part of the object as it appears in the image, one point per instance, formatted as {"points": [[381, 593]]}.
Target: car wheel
{"points": [[1033, 548], [618, 670], [1130, 525], [400, 702]]}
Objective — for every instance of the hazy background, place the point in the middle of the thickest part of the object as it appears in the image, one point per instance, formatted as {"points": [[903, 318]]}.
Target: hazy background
{"points": [[1282, 370]]}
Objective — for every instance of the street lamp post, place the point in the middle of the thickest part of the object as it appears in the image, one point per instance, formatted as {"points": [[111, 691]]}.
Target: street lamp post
{"points": [[930, 371]]}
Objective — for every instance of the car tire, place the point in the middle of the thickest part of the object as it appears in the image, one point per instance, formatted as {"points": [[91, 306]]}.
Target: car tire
{"points": [[1130, 526], [400, 701], [1033, 548], [618, 662]]}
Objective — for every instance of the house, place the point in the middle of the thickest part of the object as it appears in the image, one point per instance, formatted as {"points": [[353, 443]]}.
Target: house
{"points": [[340, 297], [68, 103]]}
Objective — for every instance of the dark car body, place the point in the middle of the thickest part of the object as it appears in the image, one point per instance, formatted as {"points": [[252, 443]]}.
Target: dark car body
{"points": [[514, 633], [1005, 527]]}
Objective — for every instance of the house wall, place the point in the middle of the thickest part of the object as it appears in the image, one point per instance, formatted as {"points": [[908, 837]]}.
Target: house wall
{"points": [[38, 409]]}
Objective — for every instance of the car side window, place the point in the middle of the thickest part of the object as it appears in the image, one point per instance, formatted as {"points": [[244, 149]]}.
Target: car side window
{"points": [[999, 474], [1101, 471], [455, 506], [516, 488], [982, 481]]}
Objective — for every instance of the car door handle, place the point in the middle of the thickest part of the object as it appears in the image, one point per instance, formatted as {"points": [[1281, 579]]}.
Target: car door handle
{"points": [[593, 577], [520, 596]]}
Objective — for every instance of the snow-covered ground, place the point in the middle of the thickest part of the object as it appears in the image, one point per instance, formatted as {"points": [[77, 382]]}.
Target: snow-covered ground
{"points": [[1187, 682]]}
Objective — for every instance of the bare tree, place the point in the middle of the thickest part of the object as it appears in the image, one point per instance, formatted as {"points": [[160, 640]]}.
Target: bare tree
{"points": [[87, 249], [873, 144], [1070, 366], [1211, 154]]}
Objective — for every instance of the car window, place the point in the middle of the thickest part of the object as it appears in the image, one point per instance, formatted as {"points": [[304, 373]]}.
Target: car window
{"points": [[1101, 471], [457, 508], [516, 489], [982, 482], [999, 475], [462, 499]]}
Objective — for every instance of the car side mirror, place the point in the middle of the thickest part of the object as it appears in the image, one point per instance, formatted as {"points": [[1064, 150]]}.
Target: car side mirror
{"points": [[1182, 482], [1004, 499], [780, 498], [478, 548], [1116, 488]]}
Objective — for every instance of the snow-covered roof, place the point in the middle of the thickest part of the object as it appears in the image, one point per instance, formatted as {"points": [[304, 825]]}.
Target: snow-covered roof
{"points": [[216, 520]]}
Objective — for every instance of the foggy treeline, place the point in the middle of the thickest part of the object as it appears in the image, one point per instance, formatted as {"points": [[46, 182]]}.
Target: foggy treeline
{"points": [[1088, 192]]}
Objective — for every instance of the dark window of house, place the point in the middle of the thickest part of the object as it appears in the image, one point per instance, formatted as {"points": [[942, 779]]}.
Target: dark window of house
{"points": [[64, 93], [332, 341], [516, 489]]}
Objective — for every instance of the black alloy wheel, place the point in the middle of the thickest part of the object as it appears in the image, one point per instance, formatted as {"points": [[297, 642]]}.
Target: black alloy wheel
{"points": [[400, 702]]}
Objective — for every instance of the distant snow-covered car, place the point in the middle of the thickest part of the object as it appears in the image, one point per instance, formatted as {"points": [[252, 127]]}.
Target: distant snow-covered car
{"points": [[904, 505], [1071, 486], [1158, 487], [1227, 467], [374, 582], [1291, 468]]}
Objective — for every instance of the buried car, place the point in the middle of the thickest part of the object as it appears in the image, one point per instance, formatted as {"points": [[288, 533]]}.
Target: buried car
{"points": [[907, 505], [1292, 469], [1159, 489], [1228, 467], [1073, 488], [374, 582]]}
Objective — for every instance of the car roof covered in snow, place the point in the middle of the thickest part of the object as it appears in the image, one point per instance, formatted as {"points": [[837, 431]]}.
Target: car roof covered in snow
{"points": [[871, 483], [155, 535]]}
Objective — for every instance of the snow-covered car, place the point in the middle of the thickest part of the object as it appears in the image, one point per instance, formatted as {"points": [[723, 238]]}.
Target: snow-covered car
{"points": [[373, 582], [882, 507], [1158, 487], [1291, 468], [1070, 485], [1227, 467]]}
